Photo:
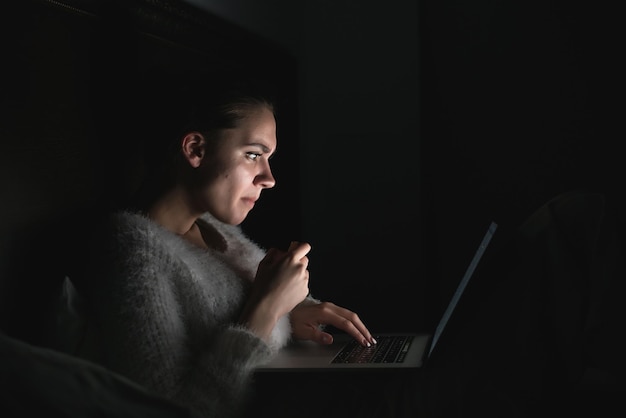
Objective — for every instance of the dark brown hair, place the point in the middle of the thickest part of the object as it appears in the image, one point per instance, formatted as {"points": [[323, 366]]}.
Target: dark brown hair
{"points": [[209, 105]]}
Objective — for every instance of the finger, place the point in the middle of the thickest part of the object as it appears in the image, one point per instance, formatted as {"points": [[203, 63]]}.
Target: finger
{"points": [[315, 334], [321, 337], [349, 322], [299, 250]]}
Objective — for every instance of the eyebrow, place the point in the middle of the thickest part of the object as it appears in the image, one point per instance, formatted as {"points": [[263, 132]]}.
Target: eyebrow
{"points": [[262, 146]]}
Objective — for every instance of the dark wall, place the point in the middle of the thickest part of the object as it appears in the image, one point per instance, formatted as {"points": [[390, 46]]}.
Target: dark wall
{"points": [[520, 102], [360, 158]]}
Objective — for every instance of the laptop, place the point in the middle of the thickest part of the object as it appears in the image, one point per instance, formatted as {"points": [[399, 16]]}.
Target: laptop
{"points": [[393, 351]]}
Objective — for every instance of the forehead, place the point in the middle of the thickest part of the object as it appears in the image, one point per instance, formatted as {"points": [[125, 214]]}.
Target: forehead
{"points": [[256, 127]]}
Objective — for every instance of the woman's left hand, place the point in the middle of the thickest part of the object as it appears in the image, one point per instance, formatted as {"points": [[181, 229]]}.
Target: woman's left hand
{"points": [[307, 319]]}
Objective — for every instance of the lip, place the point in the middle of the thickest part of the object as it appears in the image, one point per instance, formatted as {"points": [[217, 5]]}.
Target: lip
{"points": [[250, 200]]}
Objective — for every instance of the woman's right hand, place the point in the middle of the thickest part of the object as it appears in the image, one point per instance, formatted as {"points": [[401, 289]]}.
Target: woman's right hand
{"points": [[282, 282]]}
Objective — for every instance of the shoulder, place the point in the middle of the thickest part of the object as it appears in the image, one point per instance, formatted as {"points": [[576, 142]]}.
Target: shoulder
{"points": [[126, 239], [126, 228], [131, 223]]}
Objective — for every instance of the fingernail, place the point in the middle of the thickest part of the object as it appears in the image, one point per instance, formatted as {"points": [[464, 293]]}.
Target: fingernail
{"points": [[374, 341], [366, 343]]}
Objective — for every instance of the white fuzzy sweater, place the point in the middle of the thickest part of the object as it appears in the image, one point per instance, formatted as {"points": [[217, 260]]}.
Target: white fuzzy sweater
{"points": [[162, 312]]}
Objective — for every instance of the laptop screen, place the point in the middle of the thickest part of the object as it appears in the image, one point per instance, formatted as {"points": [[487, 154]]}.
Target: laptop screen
{"points": [[462, 284]]}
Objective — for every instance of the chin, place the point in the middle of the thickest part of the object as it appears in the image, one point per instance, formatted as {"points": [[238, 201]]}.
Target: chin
{"points": [[232, 215], [235, 220], [238, 221]]}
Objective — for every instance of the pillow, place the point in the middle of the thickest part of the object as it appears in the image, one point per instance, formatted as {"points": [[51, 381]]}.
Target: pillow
{"points": [[37, 381]]}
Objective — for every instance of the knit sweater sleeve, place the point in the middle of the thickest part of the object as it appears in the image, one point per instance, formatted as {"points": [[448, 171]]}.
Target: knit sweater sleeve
{"points": [[154, 330]]}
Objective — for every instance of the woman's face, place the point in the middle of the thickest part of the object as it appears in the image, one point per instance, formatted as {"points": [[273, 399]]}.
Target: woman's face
{"points": [[236, 168]]}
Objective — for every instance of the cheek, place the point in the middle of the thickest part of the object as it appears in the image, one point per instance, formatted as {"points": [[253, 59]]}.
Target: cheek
{"points": [[221, 183], [212, 170], [218, 175], [234, 174]]}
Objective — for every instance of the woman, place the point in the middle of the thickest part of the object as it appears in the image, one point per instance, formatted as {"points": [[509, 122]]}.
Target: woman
{"points": [[178, 298]]}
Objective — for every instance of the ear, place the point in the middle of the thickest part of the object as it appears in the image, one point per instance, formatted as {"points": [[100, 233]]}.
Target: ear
{"points": [[193, 147]]}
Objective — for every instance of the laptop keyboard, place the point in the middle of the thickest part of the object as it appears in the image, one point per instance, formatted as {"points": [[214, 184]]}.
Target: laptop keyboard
{"points": [[390, 349]]}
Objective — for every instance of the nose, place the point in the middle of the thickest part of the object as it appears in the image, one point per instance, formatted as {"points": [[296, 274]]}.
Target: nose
{"points": [[265, 178]]}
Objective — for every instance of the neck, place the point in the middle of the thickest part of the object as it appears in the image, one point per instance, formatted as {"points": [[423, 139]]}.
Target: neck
{"points": [[172, 211]]}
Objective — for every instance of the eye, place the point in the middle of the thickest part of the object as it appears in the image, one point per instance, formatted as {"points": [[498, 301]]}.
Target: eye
{"points": [[253, 156]]}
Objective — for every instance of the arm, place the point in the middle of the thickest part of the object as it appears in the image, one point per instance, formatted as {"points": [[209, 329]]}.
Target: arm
{"points": [[167, 329], [281, 283]]}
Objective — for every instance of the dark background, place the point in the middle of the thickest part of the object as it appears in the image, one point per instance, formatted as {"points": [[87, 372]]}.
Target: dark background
{"points": [[521, 101], [406, 126], [421, 121]]}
